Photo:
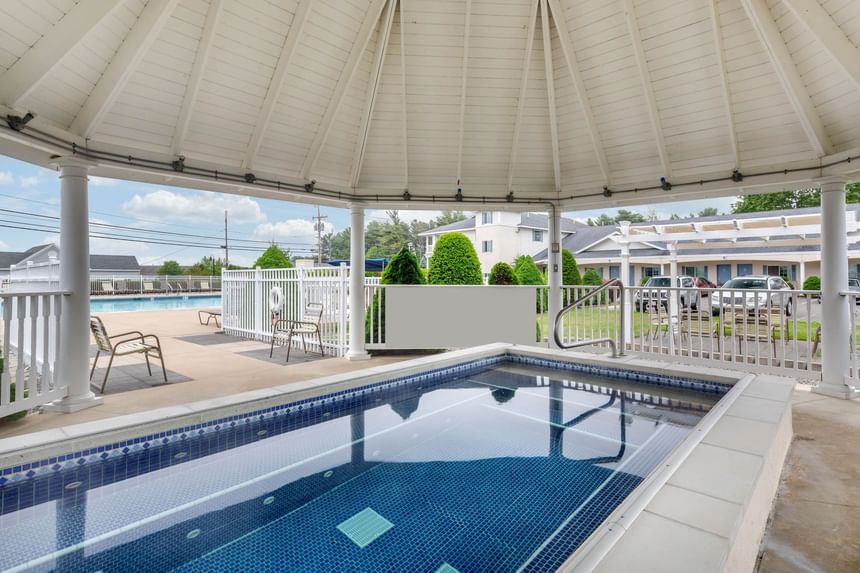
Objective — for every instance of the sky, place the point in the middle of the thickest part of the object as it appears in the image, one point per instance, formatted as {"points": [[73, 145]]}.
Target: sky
{"points": [[30, 197]]}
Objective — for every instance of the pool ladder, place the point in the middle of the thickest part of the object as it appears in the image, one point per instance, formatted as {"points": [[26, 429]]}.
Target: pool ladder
{"points": [[582, 300]]}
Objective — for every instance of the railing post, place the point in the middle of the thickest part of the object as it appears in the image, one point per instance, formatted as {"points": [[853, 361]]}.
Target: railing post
{"points": [[258, 303], [625, 323], [342, 296], [554, 273]]}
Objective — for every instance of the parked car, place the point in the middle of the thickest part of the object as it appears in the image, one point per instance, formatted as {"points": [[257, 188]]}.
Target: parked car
{"points": [[853, 286], [767, 291], [656, 291], [703, 283]]}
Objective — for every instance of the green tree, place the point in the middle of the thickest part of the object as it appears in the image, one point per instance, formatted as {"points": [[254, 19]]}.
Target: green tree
{"points": [[336, 245], [789, 200], [206, 266], [502, 274], [528, 274], [454, 262], [591, 278], [446, 218], [569, 273], [602, 221], [170, 268], [274, 258], [812, 283], [403, 269], [632, 216], [708, 212]]}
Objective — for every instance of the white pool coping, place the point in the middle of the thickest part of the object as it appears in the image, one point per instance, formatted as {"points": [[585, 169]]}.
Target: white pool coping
{"points": [[703, 510]]}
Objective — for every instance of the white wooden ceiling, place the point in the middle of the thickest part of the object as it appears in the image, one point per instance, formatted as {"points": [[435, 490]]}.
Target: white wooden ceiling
{"points": [[552, 100]]}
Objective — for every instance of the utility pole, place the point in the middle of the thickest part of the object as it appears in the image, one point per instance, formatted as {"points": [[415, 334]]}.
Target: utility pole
{"points": [[318, 227], [226, 244]]}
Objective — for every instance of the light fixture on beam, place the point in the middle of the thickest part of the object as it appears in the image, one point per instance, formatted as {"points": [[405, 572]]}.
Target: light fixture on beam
{"points": [[250, 177], [459, 195], [17, 123], [737, 176], [607, 192], [665, 185], [179, 164], [406, 195], [309, 187]]}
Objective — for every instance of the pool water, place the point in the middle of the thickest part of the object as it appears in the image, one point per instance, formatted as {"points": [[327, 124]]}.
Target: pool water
{"points": [[102, 305], [502, 468]]}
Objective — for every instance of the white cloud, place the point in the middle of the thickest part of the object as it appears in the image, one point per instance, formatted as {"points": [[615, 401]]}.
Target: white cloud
{"points": [[200, 207], [28, 181], [102, 181], [6, 178], [290, 231]]}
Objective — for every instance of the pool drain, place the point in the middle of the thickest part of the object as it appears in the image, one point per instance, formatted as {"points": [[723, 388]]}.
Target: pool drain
{"points": [[269, 500], [73, 485], [328, 474], [180, 455], [192, 534]]}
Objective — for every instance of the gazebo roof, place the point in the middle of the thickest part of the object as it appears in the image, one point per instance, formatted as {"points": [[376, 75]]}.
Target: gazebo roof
{"points": [[551, 100]]}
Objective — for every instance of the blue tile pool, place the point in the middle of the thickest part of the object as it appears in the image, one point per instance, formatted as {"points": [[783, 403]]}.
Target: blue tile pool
{"points": [[494, 466], [102, 305]]}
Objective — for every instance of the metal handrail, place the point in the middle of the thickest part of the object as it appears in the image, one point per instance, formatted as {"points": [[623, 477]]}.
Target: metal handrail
{"points": [[579, 302]]}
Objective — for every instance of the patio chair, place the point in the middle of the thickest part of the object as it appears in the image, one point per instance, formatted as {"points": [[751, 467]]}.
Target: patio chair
{"points": [[209, 315], [134, 342], [148, 287], [204, 285], [701, 324], [284, 329], [759, 327], [107, 287]]}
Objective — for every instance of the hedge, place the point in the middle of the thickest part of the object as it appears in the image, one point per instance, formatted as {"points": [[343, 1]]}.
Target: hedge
{"points": [[812, 283], [527, 273], [569, 274], [503, 274], [454, 262], [402, 269]]}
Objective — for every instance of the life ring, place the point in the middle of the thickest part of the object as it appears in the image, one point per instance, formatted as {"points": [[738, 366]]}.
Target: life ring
{"points": [[276, 299]]}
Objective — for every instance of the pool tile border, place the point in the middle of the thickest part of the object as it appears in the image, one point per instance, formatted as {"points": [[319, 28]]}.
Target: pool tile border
{"points": [[24, 471]]}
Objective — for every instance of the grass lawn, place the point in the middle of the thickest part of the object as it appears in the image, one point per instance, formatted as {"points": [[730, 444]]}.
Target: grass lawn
{"points": [[585, 319]]}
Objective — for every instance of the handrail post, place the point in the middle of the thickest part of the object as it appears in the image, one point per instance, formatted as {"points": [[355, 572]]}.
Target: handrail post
{"points": [[622, 323], [578, 302]]}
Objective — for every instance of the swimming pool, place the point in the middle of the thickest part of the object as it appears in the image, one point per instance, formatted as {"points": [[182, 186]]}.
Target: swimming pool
{"points": [[102, 305], [501, 464]]}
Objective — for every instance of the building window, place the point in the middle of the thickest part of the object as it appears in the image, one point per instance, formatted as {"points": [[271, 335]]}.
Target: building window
{"points": [[744, 269], [614, 272], [486, 246], [487, 218], [537, 236], [650, 272], [695, 271]]}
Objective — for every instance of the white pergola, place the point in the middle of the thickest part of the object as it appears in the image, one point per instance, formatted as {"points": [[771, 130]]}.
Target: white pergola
{"points": [[496, 104]]}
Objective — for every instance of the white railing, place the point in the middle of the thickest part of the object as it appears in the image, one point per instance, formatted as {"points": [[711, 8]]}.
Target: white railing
{"points": [[246, 310], [154, 285], [30, 348]]}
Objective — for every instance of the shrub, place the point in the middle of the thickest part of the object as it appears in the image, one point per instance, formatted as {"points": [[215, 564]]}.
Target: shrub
{"points": [[591, 278], [170, 268], [644, 280], [454, 262], [403, 269], [812, 283], [503, 274], [788, 281], [569, 274], [16, 415], [273, 258], [527, 273]]}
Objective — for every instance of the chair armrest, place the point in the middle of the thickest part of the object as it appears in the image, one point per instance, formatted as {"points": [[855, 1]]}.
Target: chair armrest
{"points": [[137, 332], [300, 322]]}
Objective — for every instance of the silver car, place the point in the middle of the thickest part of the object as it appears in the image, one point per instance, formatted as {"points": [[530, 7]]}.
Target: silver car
{"points": [[655, 293], [751, 292]]}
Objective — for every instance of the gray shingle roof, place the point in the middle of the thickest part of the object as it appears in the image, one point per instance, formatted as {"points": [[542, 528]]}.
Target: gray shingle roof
{"points": [[539, 221], [98, 262], [467, 223], [582, 238]]}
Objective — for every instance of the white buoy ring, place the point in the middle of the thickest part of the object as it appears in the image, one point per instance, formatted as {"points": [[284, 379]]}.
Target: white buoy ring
{"points": [[276, 299]]}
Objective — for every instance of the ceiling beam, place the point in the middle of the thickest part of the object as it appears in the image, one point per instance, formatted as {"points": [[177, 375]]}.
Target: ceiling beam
{"points": [[276, 83], [647, 86], [550, 92], [403, 96], [372, 89], [45, 55], [196, 77], [371, 18], [768, 33], [724, 81], [131, 52], [579, 85], [464, 74], [521, 100], [818, 21]]}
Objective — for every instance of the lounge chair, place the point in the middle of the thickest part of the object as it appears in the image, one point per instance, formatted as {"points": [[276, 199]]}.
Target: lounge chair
{"points": [[204, 285], [209, 315], [284, 329], [148, 287], [759, 327], [701, 324], [107, 287], [134, 342]]}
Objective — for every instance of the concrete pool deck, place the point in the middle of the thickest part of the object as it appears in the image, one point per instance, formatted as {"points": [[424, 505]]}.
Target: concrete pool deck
{"points": [[205, 370]]}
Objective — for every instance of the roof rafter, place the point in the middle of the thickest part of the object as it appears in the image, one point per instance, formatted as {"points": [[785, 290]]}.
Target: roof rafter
{"points": [[818, 21], [768, 33], [579, 86], [37, 62], [550, 92], [276, 83], [131, 52], [371, 18], [521, 100], [364, 131], [403, 97], [192, 88], [465, 71], [647, 86], [724, 81]]}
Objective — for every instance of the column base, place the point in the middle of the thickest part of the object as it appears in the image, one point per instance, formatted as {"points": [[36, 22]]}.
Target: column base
{"points": [[842, 392], [69, 405], [357, 356]]}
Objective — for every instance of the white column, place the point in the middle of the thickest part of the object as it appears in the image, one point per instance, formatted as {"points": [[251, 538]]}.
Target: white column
{"points": [[835, 308], [673, 295], [356, 286], [73, 366], [554, 271], [624, 271], [801, 274]]}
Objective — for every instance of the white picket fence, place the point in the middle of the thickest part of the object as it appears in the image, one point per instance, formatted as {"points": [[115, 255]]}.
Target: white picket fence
{"points": [[30, 348], [246, 308]]}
